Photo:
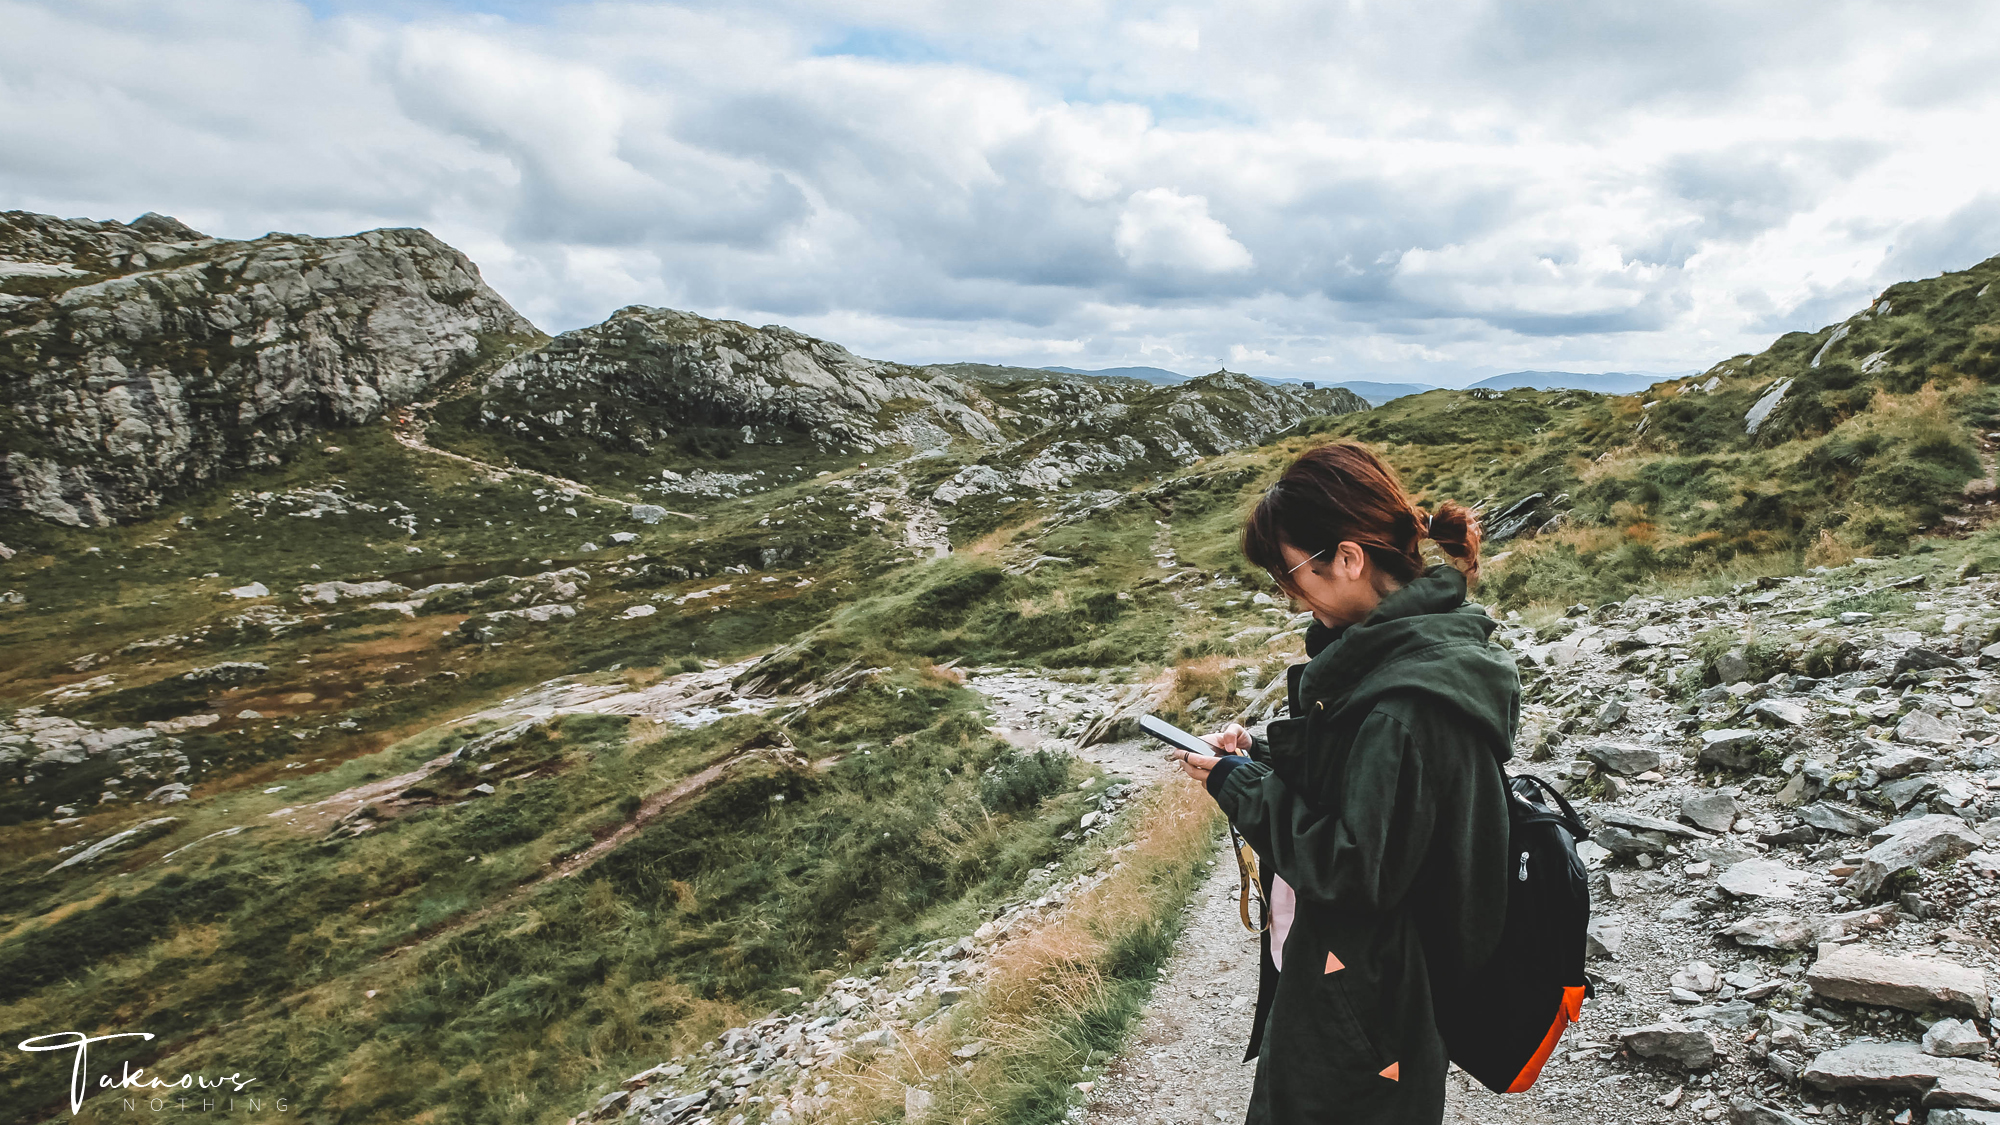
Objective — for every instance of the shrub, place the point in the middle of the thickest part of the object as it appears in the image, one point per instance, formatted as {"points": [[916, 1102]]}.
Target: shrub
{"points": [[1017, 781]]}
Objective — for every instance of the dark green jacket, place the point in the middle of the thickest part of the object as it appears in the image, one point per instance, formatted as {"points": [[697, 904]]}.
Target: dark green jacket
{"points": [[1380, 801]]}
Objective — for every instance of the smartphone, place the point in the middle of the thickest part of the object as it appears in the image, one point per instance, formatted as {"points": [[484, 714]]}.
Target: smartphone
{"points": [[1176, 737]]}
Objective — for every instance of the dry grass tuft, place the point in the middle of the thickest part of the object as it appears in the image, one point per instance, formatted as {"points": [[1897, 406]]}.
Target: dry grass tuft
{"points": [[1828, 551], [1051, 996]]}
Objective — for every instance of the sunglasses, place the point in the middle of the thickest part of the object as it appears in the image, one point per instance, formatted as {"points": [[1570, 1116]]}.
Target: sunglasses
{"points": [[1280, 578]]}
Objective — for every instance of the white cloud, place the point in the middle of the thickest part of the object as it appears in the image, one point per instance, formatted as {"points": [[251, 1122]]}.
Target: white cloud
{"points": [[1432, 189], [1161, 229]]}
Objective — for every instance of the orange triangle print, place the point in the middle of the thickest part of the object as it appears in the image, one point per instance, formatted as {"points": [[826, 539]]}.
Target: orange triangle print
{"points": [[1333, 964], [1393, 1072]]}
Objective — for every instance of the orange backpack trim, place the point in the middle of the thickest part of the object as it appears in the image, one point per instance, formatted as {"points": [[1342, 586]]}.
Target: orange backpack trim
{"points": [[1568, 1012]]}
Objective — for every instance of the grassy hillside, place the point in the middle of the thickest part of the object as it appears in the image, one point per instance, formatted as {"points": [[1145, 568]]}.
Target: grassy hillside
{"points": [[1863, 452], [589, 892]]}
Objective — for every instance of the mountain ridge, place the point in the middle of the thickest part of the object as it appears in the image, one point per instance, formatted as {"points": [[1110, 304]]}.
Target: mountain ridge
{"points": [[139, 360]]}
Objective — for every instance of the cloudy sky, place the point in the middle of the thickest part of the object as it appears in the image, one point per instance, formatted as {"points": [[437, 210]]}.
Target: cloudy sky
{"points": [[1319, 188]]}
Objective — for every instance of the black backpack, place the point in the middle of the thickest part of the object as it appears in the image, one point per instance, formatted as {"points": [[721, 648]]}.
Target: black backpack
{"points": [[1501, 1023]]}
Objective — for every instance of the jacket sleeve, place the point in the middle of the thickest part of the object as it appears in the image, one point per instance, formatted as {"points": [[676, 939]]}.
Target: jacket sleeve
{"points": [[1362, 854]]}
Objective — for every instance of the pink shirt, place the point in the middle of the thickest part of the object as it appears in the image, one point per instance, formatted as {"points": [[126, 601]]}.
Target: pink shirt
{"points": [[1284, 904]]}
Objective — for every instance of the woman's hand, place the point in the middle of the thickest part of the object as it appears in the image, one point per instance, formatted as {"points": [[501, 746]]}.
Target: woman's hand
{"points": [[1232, 739]]}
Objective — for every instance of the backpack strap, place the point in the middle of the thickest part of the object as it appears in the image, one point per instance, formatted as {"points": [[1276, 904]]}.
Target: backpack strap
{"points": [[1571, 821]]}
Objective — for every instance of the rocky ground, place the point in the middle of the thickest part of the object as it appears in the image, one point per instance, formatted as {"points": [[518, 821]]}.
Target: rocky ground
{"points": [[1795, 878]]}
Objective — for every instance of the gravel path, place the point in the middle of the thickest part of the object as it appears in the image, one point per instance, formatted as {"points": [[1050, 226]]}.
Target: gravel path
{"points": [[1183, 1064]]}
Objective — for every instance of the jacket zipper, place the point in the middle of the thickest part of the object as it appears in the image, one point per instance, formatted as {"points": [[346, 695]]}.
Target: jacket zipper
{"points": [[1524, 867]]}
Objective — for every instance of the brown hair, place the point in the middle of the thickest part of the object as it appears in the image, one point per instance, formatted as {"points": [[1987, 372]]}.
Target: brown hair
{"points": [[1343, 492]]}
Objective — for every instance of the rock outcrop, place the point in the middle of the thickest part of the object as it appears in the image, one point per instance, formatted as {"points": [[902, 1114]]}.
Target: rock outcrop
{"points": [[648, 376], [140, 360]]}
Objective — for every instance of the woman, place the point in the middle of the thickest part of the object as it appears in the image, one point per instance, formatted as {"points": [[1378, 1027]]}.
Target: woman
{"points": [[1377, 809]]}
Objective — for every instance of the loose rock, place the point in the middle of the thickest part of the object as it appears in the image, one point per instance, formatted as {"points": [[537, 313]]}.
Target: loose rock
{"points": [[1761, 878], [1691, 1047], [1732, 748], [1713, 811], [1623, 758], [1958, 1039], [1915, 843], [1850, 972]]}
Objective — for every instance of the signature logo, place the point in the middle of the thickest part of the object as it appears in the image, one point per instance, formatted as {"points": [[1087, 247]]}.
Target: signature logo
{"points": [[130, 1077]]}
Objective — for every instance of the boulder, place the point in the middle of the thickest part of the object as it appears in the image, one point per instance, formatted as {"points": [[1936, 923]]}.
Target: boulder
{"points": [[1620, 842], [1901, 761], [1761, 878], [1624, 758], [1926, 729], [1697, 976], [1904, 792], [1603, 937], [1974, 1089], [1732, 667], [1691, 1047], [1915, 842], [1730, 748], [1782, 712], [1713, 811], [1903, 1067], [1790, 932], [1838, 818], [1955, 1039], [1924, 659], [1851, 972], [1771, 931]]}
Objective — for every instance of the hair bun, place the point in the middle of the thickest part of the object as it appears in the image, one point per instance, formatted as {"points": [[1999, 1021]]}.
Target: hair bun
{"points": [[1456, 531]]}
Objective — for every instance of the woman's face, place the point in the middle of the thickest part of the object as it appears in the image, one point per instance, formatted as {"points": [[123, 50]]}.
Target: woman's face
{"points": [[1338, 586]]}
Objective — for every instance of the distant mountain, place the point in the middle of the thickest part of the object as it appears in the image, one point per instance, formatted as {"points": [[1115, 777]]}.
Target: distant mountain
{"points": [[1159, 375], [1608, 383], [1379, 393]]}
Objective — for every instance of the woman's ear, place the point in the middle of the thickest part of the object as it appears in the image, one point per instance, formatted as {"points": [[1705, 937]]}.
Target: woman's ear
{"points": [[1349, 561]]}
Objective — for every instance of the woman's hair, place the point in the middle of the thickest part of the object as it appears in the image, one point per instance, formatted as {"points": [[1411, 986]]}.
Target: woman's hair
{"points": [[1343, 492]]}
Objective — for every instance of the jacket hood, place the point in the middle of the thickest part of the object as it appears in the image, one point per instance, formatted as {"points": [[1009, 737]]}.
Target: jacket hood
{"points": [[1425, 639]]}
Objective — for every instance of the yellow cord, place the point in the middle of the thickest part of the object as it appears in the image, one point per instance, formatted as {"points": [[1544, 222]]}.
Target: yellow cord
{"points": [[1249, 887]]}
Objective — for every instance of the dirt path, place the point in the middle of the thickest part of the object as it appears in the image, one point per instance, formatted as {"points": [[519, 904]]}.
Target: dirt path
{"points": [[923, 527], [1183, 1063]]}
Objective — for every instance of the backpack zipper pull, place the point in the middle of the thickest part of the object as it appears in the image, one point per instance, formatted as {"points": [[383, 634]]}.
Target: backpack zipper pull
{"points": [[1523, 877]]}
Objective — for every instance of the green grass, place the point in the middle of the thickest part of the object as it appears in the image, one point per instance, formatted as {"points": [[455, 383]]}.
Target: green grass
{"points": [[775, 877]]}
